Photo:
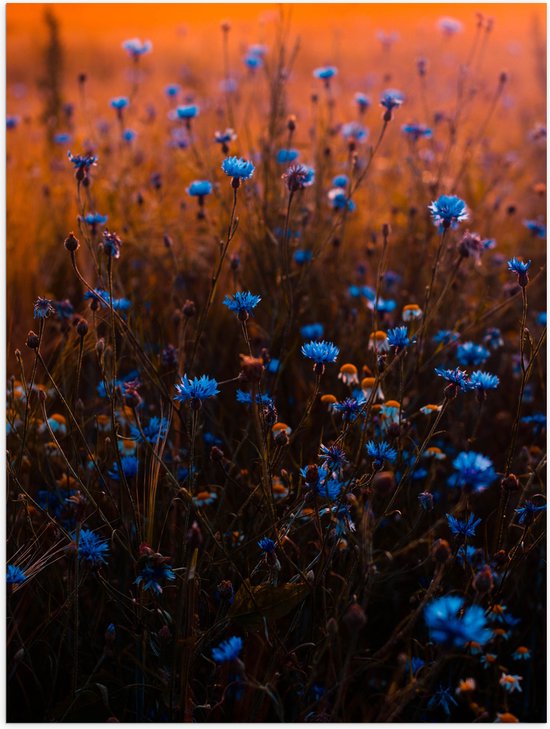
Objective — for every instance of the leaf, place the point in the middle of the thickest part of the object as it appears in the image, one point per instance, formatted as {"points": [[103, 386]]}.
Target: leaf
{"points": [[253, 603]]}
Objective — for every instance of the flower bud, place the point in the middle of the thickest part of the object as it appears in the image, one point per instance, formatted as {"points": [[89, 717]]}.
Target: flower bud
{"points": [[33, 340], [441, 551], [71, 243]]}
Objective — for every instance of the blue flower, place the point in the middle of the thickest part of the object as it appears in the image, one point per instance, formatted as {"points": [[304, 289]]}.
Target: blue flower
{"points": [[285, 156], [471, 354], [482, 381], [43, 308], [380, 452], [130, 467], [82, 162], [224, 137], [238, 169], [526, 512], [228, 650], [473, 471], [94, 219], [519, 267], [120, 102], [448, 210], [129, 135], [456, 377], [340, 181], [325, 72], [62, 138], [416, 131], [349, 409], [266, 545], [493, 338], [321, 352], [172, 90], [242, 303], [362, 101], [154, 432], [302, 256], [273, 365], [355, 131], [442, 698], [312, 331], [137, 48], [329, 488], [15, 575], [449, 626], [253, 61], [333, 457], [196, 390], [246, 398], [340, 200], [298, 177], [153, 573], [92, 548], [111, 244], [199, 188], [463, 529], [12, 122], [535, 227], [446, 336], [537, 421], [187, 112], [398, 337], [391, 99]]}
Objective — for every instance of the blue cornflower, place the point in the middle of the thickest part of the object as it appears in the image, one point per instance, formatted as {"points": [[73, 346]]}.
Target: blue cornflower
{"points": [[446, 336], [228, 135], [526, 512], [449, 625], [62, 138], [329, 488], [64, 309], [43, 308], [340, 200], [390, 100], [196, 390], [130, 467], [154, 431], [302, 256], [228, 650], [426, 500], [253, 61], [542, 318], [94, 219], [246, 398], [354, 131], [137, 48], [463, 529], [535, 227], [471, 354], [340, 181], [325, 72], [238, 169], [129, 135], [380, 452], [493, 338], [273, 365], [82, 162], [153, 573], [483, 381], [520, 268], [312, 331], [537, 421], [267, 545], [298, 177], [333, 457], [120, 102], [172, 90], [398, 337], [442, 698], [199, 188], [448, 211], [349, 409], [187, 112], [15, 575], [286, 156], [457, 377], [473, 471], [321, 353], [242, 303], [416, 131], [12, 122], [362, 101], [92, 548]]}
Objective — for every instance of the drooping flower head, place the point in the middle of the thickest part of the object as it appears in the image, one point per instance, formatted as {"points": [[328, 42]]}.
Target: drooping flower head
{"points": [[448, 211], [242, 303], [196, 390], [228, 650]]}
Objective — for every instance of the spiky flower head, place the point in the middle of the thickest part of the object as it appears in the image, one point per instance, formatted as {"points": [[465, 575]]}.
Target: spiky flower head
{"points": [[242, 303], [196, 390], [448, 211]]}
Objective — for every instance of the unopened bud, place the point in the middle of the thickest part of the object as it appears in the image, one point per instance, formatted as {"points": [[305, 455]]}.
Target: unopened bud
{"points": [[33, 340], [82, 328], [71, 243], [441, 551]]}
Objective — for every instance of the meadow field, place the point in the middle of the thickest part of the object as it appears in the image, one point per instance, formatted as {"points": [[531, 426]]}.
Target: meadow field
{"points": [[276, 362]]}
